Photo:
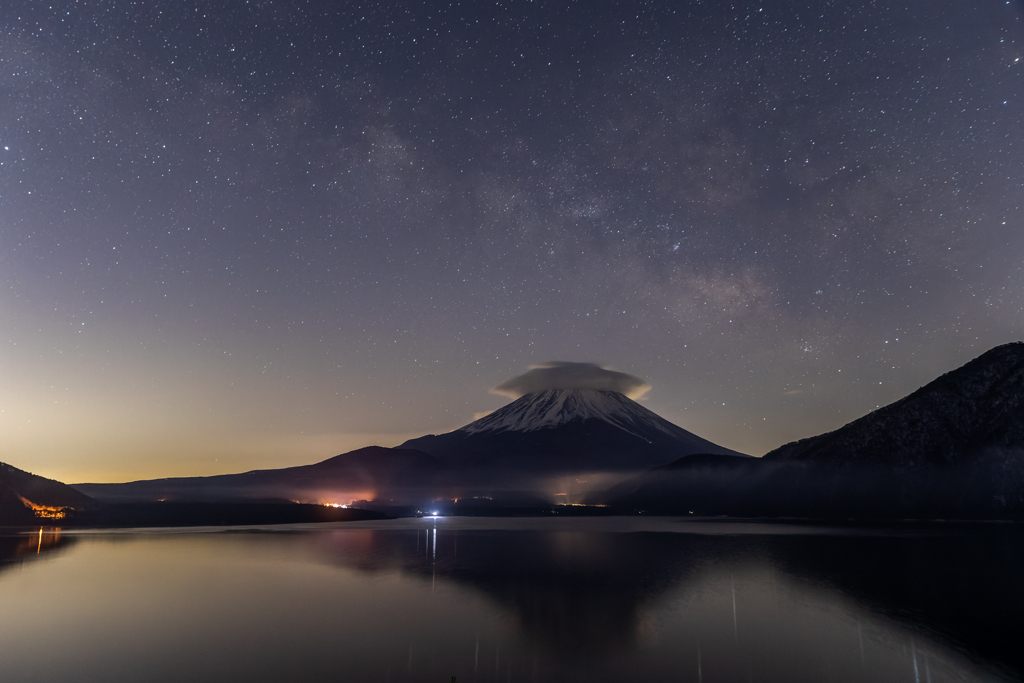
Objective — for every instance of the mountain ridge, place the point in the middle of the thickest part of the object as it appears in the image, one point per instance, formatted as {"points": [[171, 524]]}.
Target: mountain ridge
{"points": [[977, 406], [953, 449], [364, 469], [567, 430], [27, 497]]}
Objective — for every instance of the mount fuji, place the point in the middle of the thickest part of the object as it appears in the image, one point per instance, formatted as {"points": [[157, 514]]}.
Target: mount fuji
{"points": [[567, 430], [514, 449]]}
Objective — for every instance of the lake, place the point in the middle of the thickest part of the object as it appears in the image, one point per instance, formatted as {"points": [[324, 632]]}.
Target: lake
{"points": [[524, 599]]}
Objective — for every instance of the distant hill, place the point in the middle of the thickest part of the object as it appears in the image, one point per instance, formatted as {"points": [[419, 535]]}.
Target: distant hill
{"points": [[567, 430], [952, 449], [355, 475], [972, 412], [30, 500], [27, 498]]}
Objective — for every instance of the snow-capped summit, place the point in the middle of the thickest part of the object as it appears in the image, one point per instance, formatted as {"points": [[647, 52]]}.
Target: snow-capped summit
{"points": [[568, 429], [547, 409]]}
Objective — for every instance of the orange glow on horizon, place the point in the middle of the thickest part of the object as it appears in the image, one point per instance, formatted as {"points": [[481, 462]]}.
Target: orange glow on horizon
{"points": [[339, 499]]}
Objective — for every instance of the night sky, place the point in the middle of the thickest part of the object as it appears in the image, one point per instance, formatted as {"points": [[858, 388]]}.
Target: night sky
{"points": [[258, 234]]}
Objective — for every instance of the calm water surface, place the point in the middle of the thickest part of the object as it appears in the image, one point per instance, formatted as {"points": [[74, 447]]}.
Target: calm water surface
{"points": [[590, 599]]}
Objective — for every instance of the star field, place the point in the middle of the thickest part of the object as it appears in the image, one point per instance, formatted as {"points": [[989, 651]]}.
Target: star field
{"points": [[247, 234]]}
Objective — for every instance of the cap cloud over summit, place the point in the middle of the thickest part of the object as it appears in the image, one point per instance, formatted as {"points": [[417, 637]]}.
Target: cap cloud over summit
{"points": [[568, 375]]}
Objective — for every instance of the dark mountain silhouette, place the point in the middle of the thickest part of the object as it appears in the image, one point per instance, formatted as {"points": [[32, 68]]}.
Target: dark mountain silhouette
{"points": [[973, 412], [952, 449], [702, 483], [357, 474], [502, 457], [28, 498], [567, 430]]}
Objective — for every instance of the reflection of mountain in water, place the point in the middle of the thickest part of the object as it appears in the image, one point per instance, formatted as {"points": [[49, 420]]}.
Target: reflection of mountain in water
{"points": [[963, 588], [568, 591], [589, 595]]}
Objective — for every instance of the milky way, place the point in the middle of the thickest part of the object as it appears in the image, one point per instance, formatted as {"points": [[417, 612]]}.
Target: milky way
{"points": [[254, 234]]}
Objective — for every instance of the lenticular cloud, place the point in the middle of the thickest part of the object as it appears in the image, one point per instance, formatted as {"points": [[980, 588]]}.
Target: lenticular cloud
{"points": [[564, 375]]}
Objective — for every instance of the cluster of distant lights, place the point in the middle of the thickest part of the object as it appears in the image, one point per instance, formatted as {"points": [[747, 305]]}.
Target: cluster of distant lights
{"points": [[433, 513]]}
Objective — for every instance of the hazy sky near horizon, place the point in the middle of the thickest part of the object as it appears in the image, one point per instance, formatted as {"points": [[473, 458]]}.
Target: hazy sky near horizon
{"points": [[257, 234]]}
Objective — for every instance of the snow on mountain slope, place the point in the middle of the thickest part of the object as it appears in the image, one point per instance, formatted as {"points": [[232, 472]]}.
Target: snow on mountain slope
{"points": [[568, 430], [547, 409]]}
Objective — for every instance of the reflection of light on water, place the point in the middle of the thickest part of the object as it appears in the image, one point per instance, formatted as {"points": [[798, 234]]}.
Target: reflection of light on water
{"points": [[913, 654], [814, 628], [735, 626], [525, 606], [45, 539]]}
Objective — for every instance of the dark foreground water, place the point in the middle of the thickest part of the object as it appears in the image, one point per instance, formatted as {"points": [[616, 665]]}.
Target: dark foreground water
{"points": [[591, 600]]}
